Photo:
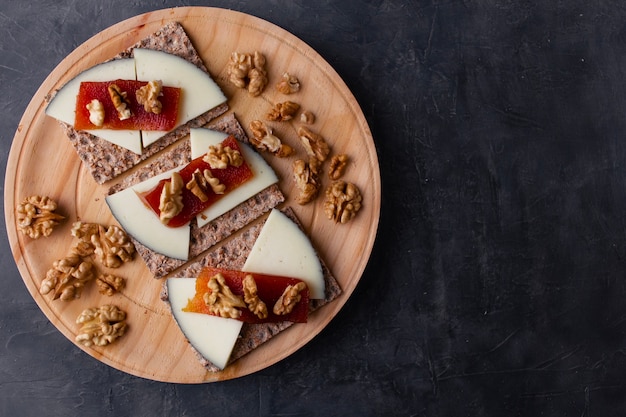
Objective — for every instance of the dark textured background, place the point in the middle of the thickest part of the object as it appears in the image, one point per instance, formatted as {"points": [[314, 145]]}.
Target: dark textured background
{"points": [[496, 286]]}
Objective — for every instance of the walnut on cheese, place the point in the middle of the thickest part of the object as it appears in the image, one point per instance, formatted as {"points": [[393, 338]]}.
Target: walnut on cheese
{"points": [[251, 298], [109, 284], [36, 216], [111, 244], [148, 96], [282, 112], [171, 200], [220, 300], [67, 277], [288, 300], [96, 112], [220, 157], [343, 201], [248, 71], [101, 326], [118, 97], [264, 140], [200, 183]]}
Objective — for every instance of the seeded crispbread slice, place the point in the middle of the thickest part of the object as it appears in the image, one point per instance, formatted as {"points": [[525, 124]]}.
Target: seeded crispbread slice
{"points": [[232, 255], [106, 160], [202, 238]]}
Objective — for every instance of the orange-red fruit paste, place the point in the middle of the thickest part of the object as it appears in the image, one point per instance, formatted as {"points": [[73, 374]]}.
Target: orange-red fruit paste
{"points": [[269, 290], [140, 120]]}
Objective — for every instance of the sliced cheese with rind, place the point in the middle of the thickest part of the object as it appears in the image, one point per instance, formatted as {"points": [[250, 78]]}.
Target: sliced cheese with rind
{"points": [[282, 248], [63, 105], [139, 221], [199, 92], [213, 337], [144, 225], [263, 177]]}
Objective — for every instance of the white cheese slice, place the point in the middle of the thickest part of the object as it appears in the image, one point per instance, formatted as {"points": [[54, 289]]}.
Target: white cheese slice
{"points": [[263, 177], [213, 337], [199, 92], [63, 104], [282, 248], [143, 224]]}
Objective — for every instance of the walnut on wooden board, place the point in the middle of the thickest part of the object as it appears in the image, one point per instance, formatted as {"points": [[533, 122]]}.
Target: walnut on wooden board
{"points": [[337, 166], [111, 245], [263, 139], [109, 284], [248, 71], [220, 157], [120, 102], [288, 84], [67, 277], [101, 326], [220, 299], [251, 298], [148, 96], [307, 180], [282, 112], [289, 299], [314, 144], [171, 199], [343, 201], [36, 216]]}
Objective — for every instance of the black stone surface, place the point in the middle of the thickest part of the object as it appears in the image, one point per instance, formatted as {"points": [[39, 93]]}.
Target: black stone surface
{"points": [[496, 286]]}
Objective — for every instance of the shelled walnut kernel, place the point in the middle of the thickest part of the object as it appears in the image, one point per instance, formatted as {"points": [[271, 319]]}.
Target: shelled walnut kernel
{"points": [[111, 244], [148, 96], [220, 299], [337, 166], [67, 277], [264, 140], [307, 179], [282, 112], [289, 84], [289, 299], [220, 157], [109, 284], [251, 298], [171, 199], [101, 326], [343, 201], [314, 144], [248, 71], [36, 216]]}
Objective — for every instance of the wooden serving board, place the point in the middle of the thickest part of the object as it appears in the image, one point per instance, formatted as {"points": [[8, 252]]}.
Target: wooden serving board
{"points": [[43, 162]]}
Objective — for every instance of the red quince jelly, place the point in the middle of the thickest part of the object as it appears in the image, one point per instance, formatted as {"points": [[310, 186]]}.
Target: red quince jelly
{"points": [[140, 119], [231, 176], [269, 290]]}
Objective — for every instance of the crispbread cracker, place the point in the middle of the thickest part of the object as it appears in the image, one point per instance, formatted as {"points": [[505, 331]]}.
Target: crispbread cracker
{"points": [[215, 231], [106, 160], [232, 255]]}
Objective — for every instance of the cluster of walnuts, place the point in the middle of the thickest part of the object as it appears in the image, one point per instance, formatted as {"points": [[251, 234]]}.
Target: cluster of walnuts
{"points": [[343, 199], [108, 245]]}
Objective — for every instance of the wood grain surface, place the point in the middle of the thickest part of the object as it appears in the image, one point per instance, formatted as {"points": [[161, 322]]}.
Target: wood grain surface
{"points": [[42, 161]]}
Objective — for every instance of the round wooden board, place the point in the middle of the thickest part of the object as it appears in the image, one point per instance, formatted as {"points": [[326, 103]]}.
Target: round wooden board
{"points": [[42, 161]]}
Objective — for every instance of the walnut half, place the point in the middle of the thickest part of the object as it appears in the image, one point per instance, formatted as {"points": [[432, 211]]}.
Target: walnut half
{"points": [[282, 112], [264, 140], [248, 71], [171, 199], [111, 244], [314, 144], [36, 216], [101, 326], [307, 179], [251, 298], [220, 157], [343, 201], [220, 299], [67, 277], [288, 300], [148, 97]]}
